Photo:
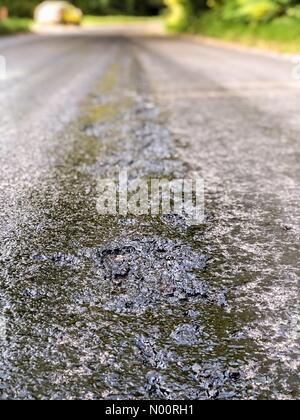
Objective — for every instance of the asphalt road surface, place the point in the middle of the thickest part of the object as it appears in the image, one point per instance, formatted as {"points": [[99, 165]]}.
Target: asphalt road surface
{"points": [[109, 307]]}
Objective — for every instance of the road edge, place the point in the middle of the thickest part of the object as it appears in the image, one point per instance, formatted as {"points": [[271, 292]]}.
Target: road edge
{"points": [[204, 40]]}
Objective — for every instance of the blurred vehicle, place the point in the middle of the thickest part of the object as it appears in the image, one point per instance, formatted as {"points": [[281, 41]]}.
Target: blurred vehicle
{"points": [[57, 12]]}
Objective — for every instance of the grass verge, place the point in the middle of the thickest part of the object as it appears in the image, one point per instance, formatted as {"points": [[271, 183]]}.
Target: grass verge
{"points": [[103, 20], [14, 25], [281, 34]]}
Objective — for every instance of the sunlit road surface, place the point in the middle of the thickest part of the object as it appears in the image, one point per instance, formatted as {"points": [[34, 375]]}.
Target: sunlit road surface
{"points": [[105, 308]]}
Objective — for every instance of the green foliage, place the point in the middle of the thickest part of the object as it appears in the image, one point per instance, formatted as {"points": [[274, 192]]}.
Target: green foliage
{"points": [[10, 26], [281, 33], [250, 10], [20, 8], [253, 10], [98, 7], [294, 12], [92, 20], [180, 13], [183, 14], [273, 23]]}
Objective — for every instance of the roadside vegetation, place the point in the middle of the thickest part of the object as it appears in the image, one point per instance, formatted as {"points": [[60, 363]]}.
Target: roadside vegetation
{"points": [[96, 12], [14, 25], [282, 34], [274, 24], [115, 19], [25, 8]]}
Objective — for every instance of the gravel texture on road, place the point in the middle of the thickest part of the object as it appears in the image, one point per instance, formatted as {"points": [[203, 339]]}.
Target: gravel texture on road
{"points": [[135, 307]]}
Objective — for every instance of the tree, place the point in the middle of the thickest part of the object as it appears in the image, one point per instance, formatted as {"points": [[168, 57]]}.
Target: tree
{"points": [[253, 10], [181, 12], [22, 8], [25, 8]]}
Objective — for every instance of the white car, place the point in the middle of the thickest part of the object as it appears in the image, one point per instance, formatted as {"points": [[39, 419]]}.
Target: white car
{"points": [[57, 12]]}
